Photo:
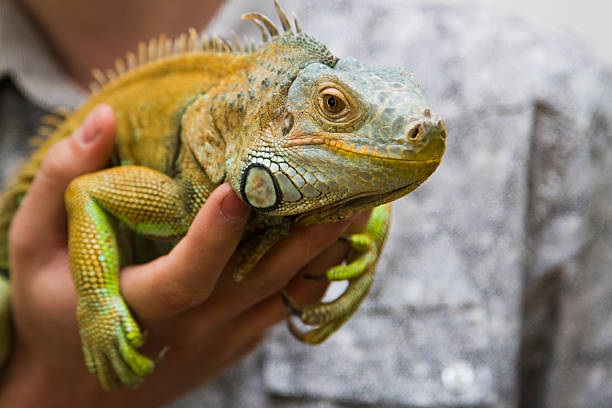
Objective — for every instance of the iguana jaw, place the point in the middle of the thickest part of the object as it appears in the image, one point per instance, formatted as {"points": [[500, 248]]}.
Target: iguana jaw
{"points": [[366, 200]]}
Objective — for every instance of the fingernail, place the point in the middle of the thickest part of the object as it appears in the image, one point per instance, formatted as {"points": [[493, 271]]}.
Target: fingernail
{"points": [[89, 129], [232, 207]]}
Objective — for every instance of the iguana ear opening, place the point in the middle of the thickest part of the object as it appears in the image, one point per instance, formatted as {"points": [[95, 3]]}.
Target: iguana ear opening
{"points": [[259, 188]]}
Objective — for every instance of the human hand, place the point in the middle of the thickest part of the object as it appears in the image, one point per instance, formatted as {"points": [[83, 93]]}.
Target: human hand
{"points": [[187, 299]]}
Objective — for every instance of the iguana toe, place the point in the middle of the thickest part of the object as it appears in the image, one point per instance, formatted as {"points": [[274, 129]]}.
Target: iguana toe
{"points": [[110, 337], [359, 271]]}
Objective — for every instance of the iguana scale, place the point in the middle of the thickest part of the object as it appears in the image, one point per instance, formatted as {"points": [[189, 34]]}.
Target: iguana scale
{"points": [[302, 136]]}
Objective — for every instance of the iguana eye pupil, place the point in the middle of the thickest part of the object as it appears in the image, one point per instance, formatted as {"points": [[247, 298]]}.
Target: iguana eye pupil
{"points": [[331, 102], [334, 105]]}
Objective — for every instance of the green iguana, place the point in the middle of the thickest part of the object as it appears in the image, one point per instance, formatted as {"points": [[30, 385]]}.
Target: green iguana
{"points": [[302, 136]]}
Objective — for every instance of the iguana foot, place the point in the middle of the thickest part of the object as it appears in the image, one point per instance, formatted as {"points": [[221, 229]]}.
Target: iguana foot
{"points": [[110, 337], [360, 271]]}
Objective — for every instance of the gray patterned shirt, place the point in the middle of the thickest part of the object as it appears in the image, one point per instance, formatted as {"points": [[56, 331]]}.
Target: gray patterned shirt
{"points": [[495, 286]]}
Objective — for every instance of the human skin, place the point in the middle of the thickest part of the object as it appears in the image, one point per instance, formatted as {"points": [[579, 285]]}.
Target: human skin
{"points": [[87, 34], [187, 299]]}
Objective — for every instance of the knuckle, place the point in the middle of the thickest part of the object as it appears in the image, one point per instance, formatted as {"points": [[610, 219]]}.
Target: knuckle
{"points": [[57, 166], [20, 242], [323, 236], [261, 287], [177, 295]]}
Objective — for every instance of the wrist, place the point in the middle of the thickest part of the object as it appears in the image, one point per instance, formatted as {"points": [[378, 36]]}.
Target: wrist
{"points": [[27, 382], [20, 383]]}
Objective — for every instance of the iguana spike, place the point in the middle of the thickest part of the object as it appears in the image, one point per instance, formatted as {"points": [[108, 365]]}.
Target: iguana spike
{"points": [[237, 43], [180, 43], [192, 44], [212, 43], [45, 130], [247, 44], [142, 53], [161, 46], [130, 58], [229, 45], [221, 45], [111, 74], [52, 120], [265, 20], [152, 50], [298, 29], [99, 76], [120, 66], [283, 17], [203, 42], [264, 34], [168, 46], [94, 87], [216, 43], [62, 111], [37, 141]]}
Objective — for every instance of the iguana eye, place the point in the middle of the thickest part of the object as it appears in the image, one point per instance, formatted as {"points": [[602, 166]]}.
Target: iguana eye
{"points": [[333, 105]]}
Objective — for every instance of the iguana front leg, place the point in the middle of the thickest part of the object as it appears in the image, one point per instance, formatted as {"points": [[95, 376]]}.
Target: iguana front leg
{"points": [[365, 251], [147, 201]]}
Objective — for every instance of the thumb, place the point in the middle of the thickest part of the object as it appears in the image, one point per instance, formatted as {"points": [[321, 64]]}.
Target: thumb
{"points": [[39, 227]]}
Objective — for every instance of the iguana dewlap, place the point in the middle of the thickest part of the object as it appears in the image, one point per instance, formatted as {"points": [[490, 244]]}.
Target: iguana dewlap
{"points": [[302, 136]]}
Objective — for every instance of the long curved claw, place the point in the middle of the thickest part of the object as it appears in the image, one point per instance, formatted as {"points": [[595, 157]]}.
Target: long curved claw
{"points": [[291, 305], [344, 306], [318, 335], [329, 317], [360, 271]]}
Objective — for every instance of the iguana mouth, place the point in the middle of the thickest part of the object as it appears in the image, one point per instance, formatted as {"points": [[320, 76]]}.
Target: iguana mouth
{"points": [[372, 200], [394, 152], [364, 201]]}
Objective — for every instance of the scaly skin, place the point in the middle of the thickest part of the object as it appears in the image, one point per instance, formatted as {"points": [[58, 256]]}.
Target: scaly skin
{"points": [[302, 136]]}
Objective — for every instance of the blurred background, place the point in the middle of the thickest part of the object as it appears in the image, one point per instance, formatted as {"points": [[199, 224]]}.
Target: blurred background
{"points": [[590, 20]]}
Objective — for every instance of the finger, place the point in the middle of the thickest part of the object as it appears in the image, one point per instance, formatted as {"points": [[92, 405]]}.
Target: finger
{"points": [[40, 223], [272, 310], [186, 276], [195, 365], [359, 222], [269, 276]]}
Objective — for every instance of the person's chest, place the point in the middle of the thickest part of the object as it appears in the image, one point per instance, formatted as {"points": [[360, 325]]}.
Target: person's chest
{"points": [[19, 121]]}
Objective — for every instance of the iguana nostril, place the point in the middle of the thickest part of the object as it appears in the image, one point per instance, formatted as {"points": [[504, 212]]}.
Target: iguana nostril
{"points": [[442, 127], [416, 134]]}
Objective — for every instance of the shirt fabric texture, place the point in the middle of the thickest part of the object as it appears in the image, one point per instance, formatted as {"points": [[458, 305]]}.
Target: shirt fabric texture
{"points": [[494, 288]]}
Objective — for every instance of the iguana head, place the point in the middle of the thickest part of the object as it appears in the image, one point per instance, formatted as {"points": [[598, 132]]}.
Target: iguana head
{"points": [[348, 134], [335, 136]]}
